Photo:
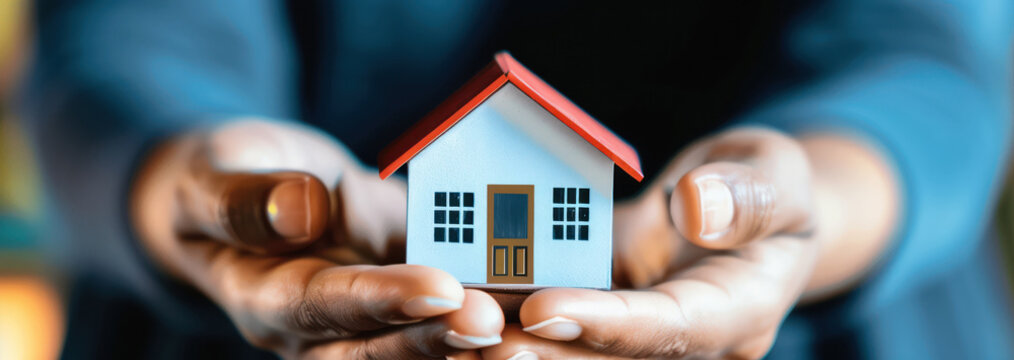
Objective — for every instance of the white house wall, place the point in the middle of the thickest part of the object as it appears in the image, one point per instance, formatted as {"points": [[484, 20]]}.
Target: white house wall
{"points": [[511, 140]]}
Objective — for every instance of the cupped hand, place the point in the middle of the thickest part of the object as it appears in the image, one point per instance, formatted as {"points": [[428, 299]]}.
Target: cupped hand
{"points": [[715, 253], [279, 225]]}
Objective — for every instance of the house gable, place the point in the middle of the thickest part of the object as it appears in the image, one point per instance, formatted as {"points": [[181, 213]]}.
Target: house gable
{"points": [[511, 139], [505, 69]]}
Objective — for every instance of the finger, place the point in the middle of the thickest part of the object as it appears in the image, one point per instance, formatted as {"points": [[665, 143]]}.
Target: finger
{"points": [[262, 213], [755, 184], [519, 345], [274, 298], [728, 304], [477, 324]]}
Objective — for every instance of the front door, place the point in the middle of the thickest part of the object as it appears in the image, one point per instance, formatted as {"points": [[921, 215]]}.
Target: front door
{"points": [[509, 228]]}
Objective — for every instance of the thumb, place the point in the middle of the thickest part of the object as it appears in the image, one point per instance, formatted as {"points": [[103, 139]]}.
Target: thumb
{"points": [[724, 204], [260, 212]]}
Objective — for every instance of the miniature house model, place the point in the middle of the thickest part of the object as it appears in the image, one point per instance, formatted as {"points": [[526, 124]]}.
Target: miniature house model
{"points": [[510, 185]]}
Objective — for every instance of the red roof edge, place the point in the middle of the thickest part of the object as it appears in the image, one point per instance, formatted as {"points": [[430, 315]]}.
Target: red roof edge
{"points": [[481, 86], [455, 107]]}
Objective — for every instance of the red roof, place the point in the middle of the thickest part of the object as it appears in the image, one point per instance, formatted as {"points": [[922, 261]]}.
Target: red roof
{"points": [[502, 70]]}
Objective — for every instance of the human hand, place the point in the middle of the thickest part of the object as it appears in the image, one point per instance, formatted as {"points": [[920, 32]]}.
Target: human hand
{"points": [[280, 226], [720, 248]]}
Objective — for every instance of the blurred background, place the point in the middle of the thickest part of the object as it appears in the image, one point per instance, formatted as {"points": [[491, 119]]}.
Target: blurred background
{"points": [[31, 307], [32, 288]]}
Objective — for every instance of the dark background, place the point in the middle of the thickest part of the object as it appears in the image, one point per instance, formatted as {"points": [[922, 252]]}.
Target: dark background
{"points": [[659, 74]]}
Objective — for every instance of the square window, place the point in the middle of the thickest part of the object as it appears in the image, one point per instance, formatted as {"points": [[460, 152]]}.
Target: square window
{"points": [[558, 195], [584, 195], [582, 214], [454, 216], [582, 233], [438, 234], [440, 199], [557, 232], [468, 217], [570, 213], [466, 235], [469, 200], [455, 199], [571, 195], [510, 216], [570, 232], [439, 217], [557, 214], [452, 235]]}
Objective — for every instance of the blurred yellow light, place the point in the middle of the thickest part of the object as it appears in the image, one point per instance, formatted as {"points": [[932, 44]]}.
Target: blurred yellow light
{"points": [[31, 319]]}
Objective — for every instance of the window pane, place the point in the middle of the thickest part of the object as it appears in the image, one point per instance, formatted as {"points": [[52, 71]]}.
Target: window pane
{"points": [[557, 232], [557, 214], [468, 217], [558, 195], [440, 199], [469, 199], [510, 216], [584, 196], [439, 217], [452, 235], [571, 195], [570, 213], [466, 235], [570, 232], [454, 217], [582, 214], [582, 233], [438, 234], [455, 199]]}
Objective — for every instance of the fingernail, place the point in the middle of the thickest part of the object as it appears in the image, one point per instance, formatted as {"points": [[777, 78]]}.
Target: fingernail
{"points": [[556, 328], [524, 355], [470, 342], [426, 306], [289, 208], [716, 207]]}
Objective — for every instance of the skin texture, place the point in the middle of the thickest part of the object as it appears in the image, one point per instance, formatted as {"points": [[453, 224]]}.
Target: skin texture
{"points": [[282, 228], [807, 217], [709, 259]]}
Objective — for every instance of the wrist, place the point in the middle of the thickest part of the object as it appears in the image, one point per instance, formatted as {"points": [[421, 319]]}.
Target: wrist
{"points": [[855, 206]]}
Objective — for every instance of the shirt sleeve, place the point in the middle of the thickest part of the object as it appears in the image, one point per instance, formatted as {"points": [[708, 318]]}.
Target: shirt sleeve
{"points": [[112, 77], [929, 83]]}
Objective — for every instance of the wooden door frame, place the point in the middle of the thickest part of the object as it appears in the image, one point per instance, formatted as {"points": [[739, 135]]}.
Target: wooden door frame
{"points": [[529, 242]]}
